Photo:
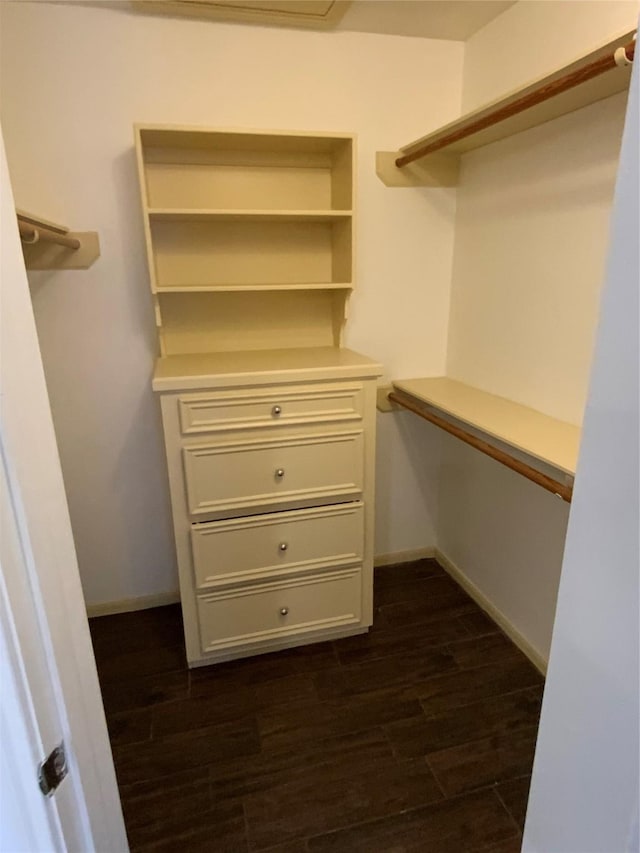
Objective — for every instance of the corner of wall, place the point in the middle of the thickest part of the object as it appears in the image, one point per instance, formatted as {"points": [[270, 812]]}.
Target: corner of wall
{"points": [[530, 39]]}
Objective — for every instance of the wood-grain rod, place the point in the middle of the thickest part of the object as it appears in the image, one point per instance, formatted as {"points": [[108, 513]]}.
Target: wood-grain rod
{"points": [[537, 96], [35, 234], [548, 483]]}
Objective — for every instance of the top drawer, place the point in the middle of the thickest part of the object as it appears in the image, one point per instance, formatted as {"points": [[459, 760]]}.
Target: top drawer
{"points": [[270, 407]]}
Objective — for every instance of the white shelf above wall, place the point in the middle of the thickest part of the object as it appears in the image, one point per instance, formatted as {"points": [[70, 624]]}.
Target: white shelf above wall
{"points": [[525, 437], [434, 159]]}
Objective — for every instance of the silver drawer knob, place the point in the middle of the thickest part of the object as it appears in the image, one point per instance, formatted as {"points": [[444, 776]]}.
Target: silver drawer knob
{"points": [[280, 473], [283, 546], [284, 611], [276, 411]]}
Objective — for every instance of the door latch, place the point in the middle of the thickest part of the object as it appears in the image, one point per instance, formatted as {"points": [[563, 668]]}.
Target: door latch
{"points": [[52, 770]]}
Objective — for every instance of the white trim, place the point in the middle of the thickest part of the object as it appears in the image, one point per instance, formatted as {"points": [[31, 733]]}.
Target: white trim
{"points": [[404, 556], [492, 611], [128, 605]]}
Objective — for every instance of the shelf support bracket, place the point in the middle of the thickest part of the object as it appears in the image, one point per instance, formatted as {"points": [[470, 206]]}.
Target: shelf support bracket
{"points": [[49, 246], [440, 170]]}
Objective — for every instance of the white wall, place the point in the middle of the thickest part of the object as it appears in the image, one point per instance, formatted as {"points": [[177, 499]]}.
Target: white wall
{"points": [[74, 80], [531, 238], [585, 791]]}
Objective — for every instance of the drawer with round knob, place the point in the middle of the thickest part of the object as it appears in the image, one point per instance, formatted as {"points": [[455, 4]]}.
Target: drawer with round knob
{"points": [[287, 405], [276, 544], [247, 616], [228, 478]]}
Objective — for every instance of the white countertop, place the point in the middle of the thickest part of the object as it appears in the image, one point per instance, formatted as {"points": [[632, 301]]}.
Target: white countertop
{"points": [[199, 370]]}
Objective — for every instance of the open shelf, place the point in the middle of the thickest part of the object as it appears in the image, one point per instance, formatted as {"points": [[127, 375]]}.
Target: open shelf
{"points": [[199, 322], [231, 215], [241, 288], [250, 251], [192, 168], [548, 444], [438, 152]]}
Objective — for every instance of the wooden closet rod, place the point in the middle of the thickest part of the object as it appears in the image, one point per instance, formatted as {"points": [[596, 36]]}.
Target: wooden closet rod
{"points": [[543, 93], [548, 483], [31, 234]]}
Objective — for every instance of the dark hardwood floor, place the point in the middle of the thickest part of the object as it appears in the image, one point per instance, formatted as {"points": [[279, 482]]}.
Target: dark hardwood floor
{"points": [[418, 736]]}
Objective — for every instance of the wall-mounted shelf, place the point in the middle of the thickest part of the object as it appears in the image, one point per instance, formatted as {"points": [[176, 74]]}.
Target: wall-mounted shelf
{"points": [[48, 245], [539, 447], [433, 160]]}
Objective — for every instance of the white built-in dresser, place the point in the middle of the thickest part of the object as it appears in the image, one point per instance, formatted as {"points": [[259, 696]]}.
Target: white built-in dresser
{"points": [[269, 422]]}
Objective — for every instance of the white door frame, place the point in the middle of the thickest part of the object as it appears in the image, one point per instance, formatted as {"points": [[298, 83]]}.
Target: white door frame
{"points": [[30, 725], [39, 509]]}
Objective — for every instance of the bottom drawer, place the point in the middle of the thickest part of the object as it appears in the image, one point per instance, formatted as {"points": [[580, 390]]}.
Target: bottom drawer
{"points": [[266, 612]]}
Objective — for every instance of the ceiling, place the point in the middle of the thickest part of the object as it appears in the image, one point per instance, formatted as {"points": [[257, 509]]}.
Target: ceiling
{"points": [[438, 19]]}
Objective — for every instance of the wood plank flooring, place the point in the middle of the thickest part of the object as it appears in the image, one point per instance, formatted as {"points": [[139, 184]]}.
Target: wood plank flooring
{"points": [[418, 736]]}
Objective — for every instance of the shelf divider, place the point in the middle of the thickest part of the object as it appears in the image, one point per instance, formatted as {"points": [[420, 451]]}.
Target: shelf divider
{"points": [[205, 215]]}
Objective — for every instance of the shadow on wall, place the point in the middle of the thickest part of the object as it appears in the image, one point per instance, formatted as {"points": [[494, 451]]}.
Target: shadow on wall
{"points": [[506, 535], [132, 248], [141, 485], [141, 476], [407, 477]]}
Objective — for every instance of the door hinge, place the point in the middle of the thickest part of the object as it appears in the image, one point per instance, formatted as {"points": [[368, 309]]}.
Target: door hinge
{"points": [[52, 770]]}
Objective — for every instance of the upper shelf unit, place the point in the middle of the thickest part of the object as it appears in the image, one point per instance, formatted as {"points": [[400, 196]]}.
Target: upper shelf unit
{"points": [[216, 170], [434, 159], [245, 210], [233, 215]]}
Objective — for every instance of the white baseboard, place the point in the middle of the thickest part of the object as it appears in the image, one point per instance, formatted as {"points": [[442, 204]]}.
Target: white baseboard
{"points": [[128, 605], [492, 611], [403, 556]]}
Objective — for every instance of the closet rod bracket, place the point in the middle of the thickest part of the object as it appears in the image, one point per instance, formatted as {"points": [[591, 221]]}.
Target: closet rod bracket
{"points": [[49, 246]]}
